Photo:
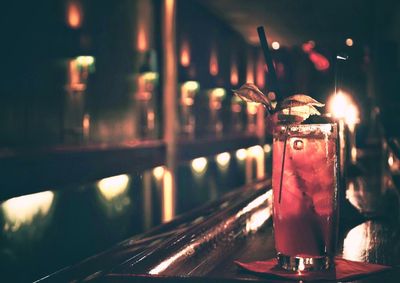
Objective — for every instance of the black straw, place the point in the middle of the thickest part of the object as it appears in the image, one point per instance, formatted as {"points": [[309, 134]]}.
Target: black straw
{"points": [[339, 58], [273, 85]]}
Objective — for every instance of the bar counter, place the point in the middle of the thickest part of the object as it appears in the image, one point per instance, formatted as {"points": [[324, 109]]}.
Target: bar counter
{"points": [[202, 246]]}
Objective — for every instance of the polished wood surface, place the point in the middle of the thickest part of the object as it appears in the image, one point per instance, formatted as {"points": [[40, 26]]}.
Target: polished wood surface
{"points": [[203, 246]]}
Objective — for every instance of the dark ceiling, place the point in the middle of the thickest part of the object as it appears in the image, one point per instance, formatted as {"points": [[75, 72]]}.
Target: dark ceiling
{"points": [[292, 22]]}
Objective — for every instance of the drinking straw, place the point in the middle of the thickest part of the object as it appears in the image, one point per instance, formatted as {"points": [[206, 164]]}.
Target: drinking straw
{"points": [[283, 156], [273, 87], [339, 57]]}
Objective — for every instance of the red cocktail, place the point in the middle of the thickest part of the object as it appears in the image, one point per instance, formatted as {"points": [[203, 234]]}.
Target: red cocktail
{"points": [[305, 204]]}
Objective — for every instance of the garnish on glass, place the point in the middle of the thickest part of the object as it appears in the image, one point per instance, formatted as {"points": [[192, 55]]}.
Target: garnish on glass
{"points": [[291, 111]]}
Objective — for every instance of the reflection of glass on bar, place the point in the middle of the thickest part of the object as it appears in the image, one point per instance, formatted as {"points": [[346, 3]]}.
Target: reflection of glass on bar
{"points": [[305, 203]]}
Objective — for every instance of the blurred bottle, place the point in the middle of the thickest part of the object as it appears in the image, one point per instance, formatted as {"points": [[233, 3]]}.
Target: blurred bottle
{"points": [[189, 90], [215, 98]]}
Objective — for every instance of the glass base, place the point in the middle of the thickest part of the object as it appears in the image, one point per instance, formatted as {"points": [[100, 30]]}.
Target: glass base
{"points": [[298, 263]]}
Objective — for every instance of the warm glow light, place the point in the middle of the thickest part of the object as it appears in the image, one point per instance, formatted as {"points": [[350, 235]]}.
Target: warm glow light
{"points": [[185, 54], [190, 86], [85, 60], [301, 264], [188, 92], [353, 154], [86, 125], [258, 219], [241, 154], [275, 45], [150, 76], [267, 148], [78, 71], [260, 72], [158, 172], [257, 154], [337, 105], [146, 83], [351, 116], [22, 210], [199, 165], [234, 73], [259, 201], [252, 107], [142, 41], [188, 250], [356, 242], [250, 69], [349, 42], [168, 201], [86, 122], [236, 105], [214, 62], [223, 159], [256, 150], [113, 186], [74, 14], [341, 106], [217, 92], [390, 160], [321, 63], [144, 26]]}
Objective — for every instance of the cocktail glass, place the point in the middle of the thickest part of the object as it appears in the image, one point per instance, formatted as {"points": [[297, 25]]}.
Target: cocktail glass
{"points": [[305, 196]]}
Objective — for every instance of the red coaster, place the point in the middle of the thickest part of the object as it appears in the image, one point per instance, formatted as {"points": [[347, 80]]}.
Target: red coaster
{"points": [[344, 270]]}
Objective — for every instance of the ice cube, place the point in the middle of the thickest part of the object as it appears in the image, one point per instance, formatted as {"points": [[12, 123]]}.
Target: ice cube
{"points": [[323, 202]]}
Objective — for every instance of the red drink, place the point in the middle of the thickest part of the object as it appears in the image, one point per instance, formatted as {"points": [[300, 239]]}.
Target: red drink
{"points": [[305, 216]]}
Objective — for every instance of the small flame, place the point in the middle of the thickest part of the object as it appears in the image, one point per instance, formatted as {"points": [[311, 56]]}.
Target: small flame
{"points": [[234, 73], [142, 41], [74, 14], [185, 54], [214, 62]]}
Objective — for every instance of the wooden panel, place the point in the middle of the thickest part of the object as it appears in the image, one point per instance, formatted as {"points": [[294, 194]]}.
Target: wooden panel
{"points": [[190, 149], [25, 172]]}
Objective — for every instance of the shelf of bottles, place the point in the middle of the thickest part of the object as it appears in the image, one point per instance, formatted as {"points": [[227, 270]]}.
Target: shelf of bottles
{"points": [[109, 116]]}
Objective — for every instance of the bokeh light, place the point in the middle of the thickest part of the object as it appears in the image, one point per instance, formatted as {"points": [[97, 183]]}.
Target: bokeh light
{"points": [[223, 159], [199, 165], [113, 186]]}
